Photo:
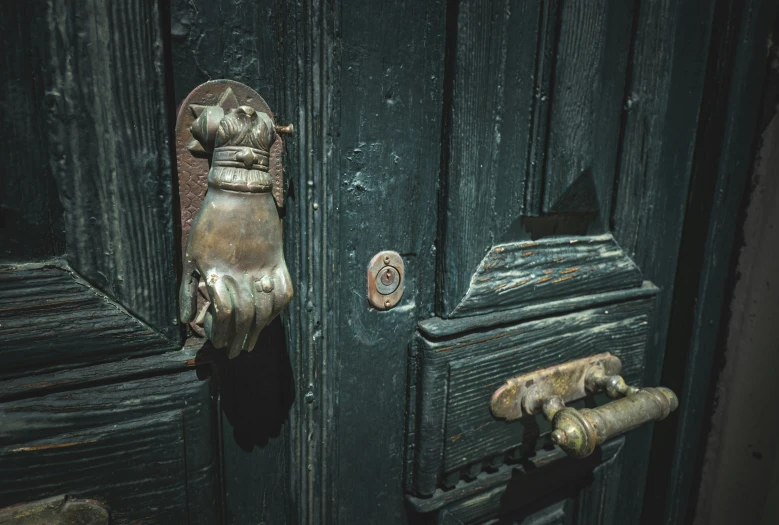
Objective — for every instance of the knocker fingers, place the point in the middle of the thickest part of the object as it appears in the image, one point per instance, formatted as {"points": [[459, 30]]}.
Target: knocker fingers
{"points": [[188, 293], [240, 307], [243, 314], [219, 322], [263, 308]]}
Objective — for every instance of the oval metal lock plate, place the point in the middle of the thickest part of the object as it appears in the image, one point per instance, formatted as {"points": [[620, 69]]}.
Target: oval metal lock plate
{"points": [[385, 280]]}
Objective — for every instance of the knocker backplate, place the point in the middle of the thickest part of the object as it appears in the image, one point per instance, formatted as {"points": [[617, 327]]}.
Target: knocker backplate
{"points": [[193, 165]]}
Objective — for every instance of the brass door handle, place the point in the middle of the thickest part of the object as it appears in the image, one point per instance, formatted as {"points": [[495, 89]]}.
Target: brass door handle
{"points": [[234, 279], [578, 432]]}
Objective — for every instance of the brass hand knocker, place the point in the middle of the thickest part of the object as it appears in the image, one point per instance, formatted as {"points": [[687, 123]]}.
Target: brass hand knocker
{"points": [[233, 253]]}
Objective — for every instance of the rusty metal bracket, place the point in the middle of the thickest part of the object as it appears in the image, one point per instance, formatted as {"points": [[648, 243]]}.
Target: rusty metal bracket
{"points": [[524, 395], [578, 432]]}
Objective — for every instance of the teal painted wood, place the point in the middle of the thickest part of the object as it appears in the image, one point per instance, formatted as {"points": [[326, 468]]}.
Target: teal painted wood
{"points": [[29, 207], [100, 374], [388, 81], [561, 491], [52, 319], [88, 162], [665, 79], [455, 431], [232, 40], [535, 105], [730, 126], [325, 50], [489, 96], [465, 490], [542, 271], [437, 328], [108, 149], [586, 93], [367, 154], [147, 448], [308, 96]]}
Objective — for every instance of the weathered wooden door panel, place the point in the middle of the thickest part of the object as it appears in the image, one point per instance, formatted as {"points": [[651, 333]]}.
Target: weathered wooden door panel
{"points": [[537, 90], [52, 319], [455, 434], [97, 399], [146, 448], [444, 130], [98, 103], [529, 161], [85, 88]]}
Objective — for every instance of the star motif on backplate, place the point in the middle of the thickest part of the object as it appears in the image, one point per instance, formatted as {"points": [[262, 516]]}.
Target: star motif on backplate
{"points": [[227, 102]]}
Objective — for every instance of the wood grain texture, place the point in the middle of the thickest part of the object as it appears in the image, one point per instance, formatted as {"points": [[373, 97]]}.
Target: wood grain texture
{"points": [[380, 196], [487, 132], [113, 371], [586, 99], [458, 375], [326, 65], [728, 132], [146, 448], [661, 108], [521, 273], [466, 489], [30, 213], [107, 132], [438, 328], [51, 319], [307, 91], [536, 92]]}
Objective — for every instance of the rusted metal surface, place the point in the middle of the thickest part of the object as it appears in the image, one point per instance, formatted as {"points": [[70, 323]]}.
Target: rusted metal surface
{"points": [[578, 432], [59, 510], [235, 279], [524, 395], [385, 280]]}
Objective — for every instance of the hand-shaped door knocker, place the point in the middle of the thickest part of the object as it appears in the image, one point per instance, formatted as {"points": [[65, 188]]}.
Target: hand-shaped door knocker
{"points": [[234, 279]]}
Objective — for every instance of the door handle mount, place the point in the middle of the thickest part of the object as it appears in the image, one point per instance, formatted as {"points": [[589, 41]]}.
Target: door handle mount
{"points": [[578, 432]]}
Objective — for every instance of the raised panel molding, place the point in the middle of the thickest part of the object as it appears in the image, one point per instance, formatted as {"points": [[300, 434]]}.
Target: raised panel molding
{"points": [[87, 151], [147, 448], [453, 433], [51, 319], [105, 110], [530, 305], [531, 272], [537, 96]]}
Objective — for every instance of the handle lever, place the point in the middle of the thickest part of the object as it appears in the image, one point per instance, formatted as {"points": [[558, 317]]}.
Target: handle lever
{"points": [[578, 432]]}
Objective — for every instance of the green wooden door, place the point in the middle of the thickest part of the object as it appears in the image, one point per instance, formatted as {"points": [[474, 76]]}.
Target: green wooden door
{"points": [[561, 179]]}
